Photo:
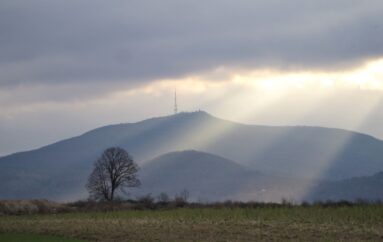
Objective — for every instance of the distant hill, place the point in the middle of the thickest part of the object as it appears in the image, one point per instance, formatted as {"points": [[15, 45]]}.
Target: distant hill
{"points": [[210, 178], [59, 170], [365, 188], [204, 175]]}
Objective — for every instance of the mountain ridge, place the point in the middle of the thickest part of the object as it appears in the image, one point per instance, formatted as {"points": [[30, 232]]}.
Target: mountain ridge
{"points": [[164, 117], [306, 152]]}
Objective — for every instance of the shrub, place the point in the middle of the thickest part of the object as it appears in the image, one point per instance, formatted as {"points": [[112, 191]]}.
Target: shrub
{"points": [[146, 201]]}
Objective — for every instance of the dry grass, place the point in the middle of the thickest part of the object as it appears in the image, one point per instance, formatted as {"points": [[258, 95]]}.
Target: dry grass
{"points": [[358, 223], [14, 207]]}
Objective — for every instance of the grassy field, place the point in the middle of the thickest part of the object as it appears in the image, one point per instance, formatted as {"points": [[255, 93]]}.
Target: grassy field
{"points": [[14, 237], [357, 223]]}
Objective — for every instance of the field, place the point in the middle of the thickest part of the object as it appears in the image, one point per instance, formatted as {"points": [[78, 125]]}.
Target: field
{"points": [[16, 237], [356, 223]]}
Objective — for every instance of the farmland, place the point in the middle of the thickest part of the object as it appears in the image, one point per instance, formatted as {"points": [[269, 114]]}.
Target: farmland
{"points": [[311, 223]]}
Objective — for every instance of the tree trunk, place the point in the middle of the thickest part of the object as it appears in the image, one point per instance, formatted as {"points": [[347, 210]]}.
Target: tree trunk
{"points": [[112, 194]]}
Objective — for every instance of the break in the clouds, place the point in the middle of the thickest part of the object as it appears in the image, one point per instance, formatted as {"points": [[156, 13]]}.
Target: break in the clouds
{"points": [[137, 41], [69, 66]]}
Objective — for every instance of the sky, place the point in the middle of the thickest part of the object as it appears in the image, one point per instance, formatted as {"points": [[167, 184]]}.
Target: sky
{"points": [[67, 67]]}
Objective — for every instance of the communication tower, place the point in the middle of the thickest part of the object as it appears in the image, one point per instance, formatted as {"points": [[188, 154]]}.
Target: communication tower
{"points": [[175, 102]]}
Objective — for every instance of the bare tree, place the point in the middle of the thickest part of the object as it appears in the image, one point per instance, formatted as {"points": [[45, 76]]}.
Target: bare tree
{"points": [[184, 195], [182, 198], [163, 198], [114, 170]]}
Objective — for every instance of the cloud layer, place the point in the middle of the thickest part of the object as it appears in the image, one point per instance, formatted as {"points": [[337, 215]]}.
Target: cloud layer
{"points": [[69, 66], [85, 41]]}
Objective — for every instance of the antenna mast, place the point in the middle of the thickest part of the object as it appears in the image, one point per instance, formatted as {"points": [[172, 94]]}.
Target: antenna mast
{"points": [[175, 101]]}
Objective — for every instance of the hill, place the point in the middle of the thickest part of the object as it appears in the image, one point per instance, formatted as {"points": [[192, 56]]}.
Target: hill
{"points": [[59, 170], [364, 188], [204, 175], [210, 177]]}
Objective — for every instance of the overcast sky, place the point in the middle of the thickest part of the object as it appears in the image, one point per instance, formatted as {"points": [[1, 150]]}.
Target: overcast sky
{"points": [[69, 66]]}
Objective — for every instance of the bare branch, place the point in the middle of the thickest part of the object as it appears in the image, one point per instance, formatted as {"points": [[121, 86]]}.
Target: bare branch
{"points": [[114, 170]]}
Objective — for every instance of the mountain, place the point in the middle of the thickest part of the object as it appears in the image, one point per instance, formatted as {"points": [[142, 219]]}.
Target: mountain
{"points": [[59, 171], [204, 175], [209, 177], [365, 188]]}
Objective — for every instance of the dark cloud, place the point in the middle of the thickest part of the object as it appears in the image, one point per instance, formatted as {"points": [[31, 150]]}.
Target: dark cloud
{"points": [[45, 41]]}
